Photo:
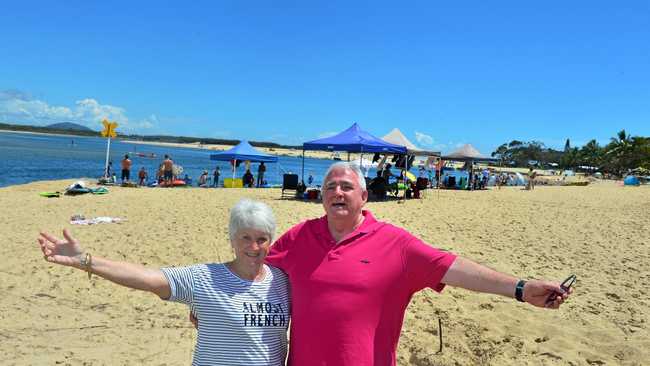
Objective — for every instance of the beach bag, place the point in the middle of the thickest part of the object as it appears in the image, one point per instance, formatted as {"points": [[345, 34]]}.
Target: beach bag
{"points": [[76, 188]]}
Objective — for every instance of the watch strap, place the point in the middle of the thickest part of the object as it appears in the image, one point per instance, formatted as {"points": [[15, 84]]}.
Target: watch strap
{"points": [[519, 290]]}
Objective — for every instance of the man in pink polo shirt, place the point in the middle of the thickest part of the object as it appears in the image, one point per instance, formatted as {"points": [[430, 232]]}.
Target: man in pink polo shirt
{"points": [[352, 278]]}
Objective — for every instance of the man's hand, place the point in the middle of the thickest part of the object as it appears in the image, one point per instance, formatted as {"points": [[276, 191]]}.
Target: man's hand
{"points": [[194, 320], [537, 292], [65, 252]]}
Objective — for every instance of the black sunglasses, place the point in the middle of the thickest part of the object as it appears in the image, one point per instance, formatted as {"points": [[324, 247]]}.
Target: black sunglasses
{"points": [[565, 285]]}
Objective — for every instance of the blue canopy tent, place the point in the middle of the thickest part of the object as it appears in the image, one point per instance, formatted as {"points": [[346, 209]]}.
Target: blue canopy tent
{"points": [[242, 152], [354, 139]]}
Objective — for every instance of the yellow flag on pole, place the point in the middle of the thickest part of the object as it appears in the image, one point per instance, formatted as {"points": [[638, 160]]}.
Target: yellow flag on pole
{"points": [[109, 128]]}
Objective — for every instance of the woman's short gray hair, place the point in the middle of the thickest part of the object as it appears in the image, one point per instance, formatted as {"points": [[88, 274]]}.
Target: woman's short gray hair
{"points": [[249, 214], [349, 166]]}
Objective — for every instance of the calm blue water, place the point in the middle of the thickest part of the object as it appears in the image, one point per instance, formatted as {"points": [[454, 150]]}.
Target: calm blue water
{"points": [[27, 158]]}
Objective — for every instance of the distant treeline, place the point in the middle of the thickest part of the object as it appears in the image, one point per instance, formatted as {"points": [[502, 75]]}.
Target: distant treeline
{"points": [[203, 140], [151, 138], [624, 153], [43, 129]]}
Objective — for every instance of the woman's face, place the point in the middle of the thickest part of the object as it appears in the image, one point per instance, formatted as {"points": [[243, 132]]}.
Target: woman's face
{"points": [[251, 246]]}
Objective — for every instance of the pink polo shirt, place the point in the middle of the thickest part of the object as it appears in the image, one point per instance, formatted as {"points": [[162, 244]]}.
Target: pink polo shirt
{"points": [[348, 300]]}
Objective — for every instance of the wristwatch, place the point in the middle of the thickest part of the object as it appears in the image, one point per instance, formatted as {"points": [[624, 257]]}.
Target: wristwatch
{"points": [[519, 291]]}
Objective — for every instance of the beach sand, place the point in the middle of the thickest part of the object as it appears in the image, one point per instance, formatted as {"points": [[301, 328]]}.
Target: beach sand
{"points": [[54, 315]]}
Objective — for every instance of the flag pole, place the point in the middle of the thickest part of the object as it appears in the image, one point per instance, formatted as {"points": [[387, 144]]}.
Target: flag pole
{"points": [[108, 149]]}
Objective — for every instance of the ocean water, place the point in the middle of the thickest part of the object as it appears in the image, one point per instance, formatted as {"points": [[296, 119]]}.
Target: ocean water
{"points": [[27, 158]]}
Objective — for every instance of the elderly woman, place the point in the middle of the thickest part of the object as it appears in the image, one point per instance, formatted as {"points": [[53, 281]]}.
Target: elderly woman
{"points": [[242, 305]]}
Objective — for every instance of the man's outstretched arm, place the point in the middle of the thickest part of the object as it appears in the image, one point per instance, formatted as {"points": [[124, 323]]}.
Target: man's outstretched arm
{"points": [[475, 277]]}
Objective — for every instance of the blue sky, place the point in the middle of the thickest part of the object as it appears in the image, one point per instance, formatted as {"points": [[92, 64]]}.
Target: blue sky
{"points": [[446, 74]]}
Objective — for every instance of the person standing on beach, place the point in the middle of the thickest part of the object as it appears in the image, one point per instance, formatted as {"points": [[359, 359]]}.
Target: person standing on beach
{"points": [[243, 305], [485, 178], [352, 277], [260, 174], [502, 179], [142, 176], [215, 177], [168, 170], [531, 179], [126, 168], [109, 167]]}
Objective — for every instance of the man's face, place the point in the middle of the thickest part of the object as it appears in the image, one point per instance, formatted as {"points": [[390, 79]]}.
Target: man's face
{"points": [[342, 195]]}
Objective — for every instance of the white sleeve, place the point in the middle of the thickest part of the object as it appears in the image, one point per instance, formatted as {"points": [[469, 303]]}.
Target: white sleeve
{"points": [[181, 283]]}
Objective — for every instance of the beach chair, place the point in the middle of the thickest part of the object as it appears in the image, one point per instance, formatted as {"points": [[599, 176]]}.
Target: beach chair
{"points": [[289, 183]]}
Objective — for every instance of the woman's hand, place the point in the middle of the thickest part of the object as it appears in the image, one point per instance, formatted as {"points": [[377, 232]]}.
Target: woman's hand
{"points": [[66, 252]]}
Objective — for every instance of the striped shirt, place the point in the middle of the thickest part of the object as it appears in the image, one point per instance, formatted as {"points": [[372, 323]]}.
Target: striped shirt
{"points": [[240, 322]]}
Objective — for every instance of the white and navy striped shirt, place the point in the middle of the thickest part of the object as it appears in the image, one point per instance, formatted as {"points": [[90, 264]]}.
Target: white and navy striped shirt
{"points": [[240, 322]]}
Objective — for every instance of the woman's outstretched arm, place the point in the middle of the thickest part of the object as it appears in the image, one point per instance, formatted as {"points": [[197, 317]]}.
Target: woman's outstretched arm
{"points": [[68, 252]]}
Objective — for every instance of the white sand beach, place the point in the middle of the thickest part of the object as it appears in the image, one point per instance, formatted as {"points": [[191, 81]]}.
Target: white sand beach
{"points": [[55, 315]]}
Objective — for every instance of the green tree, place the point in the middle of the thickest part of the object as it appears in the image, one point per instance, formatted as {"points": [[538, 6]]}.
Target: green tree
{"points": [[619, 153], [570, 159], [591, 154], [644, 152], [501, 153], [515, 144]]}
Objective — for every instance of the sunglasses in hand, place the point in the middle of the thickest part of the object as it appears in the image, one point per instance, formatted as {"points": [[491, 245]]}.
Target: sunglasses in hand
{"points": [[566, 285]]}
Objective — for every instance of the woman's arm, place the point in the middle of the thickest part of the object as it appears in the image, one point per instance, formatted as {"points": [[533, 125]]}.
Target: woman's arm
{"points": [[69, 253]]}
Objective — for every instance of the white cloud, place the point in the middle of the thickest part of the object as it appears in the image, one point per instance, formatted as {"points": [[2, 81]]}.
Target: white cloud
{"points": [[18, 107], [423, 139], [139, 126], [92, 113], [326, 134]]}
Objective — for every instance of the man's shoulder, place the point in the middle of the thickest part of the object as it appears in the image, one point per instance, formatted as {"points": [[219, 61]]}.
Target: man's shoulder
{"points": [[386, 228], [298, 231], [309, 224], [390, 232]]}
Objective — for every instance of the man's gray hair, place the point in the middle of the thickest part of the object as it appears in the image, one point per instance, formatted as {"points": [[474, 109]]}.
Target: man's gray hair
{"points": [[249, 214], [349, 166]]}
